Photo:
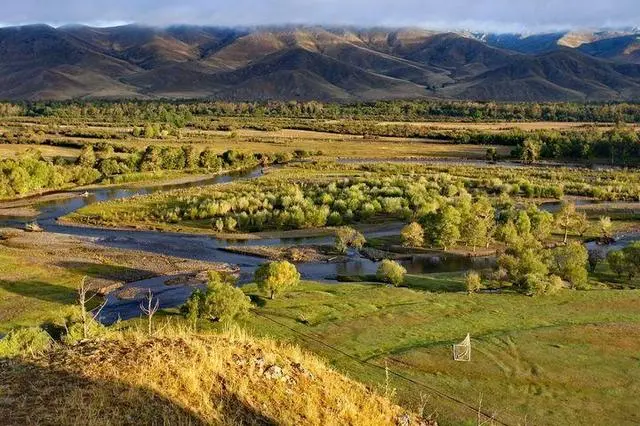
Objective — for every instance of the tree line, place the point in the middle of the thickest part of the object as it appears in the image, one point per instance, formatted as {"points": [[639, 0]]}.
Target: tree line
{"points": [[410, 110]]}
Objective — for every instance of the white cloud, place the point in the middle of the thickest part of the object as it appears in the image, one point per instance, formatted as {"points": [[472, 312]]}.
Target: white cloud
{"points": [[495, 15]]}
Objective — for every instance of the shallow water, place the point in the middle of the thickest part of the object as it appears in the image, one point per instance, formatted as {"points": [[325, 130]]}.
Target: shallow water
{"points": [[208, 248]]}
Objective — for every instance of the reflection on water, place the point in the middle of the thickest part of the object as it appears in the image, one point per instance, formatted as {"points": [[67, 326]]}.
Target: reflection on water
{"points": [[207, 248]]}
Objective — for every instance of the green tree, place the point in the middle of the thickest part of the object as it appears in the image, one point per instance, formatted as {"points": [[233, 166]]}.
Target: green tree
{"points": [[391, 272], [412, 235], [276, 277], [617, 262], [570, 262], [347, 237], [566, 219], [221, 301], [530, 151], [87, 157], [605, 226], [447, 227]]}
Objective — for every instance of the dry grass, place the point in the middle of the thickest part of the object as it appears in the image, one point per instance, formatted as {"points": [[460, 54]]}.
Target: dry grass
{"points": [[10, 151], [180, 378]]}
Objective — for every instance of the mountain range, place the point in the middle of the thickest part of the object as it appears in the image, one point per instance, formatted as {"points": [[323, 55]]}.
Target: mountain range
{"points": [[39, 62]]}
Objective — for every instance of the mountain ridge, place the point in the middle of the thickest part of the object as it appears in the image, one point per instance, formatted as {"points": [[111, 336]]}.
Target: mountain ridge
{"points": [[348, 64]]}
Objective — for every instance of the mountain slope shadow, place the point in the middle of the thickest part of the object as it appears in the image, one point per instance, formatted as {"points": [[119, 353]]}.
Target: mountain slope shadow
{"points": [[40, 290], [34, 394]]}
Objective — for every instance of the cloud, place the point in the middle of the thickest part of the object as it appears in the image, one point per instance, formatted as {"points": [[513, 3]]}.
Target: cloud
{"points": [[494, 15]]}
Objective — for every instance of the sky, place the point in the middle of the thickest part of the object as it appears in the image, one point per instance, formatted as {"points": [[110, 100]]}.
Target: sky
{"points": [[481, 15]]}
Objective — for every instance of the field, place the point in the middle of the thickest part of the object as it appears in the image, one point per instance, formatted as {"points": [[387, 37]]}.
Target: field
{"points": [[563, 359], [554, 321]]}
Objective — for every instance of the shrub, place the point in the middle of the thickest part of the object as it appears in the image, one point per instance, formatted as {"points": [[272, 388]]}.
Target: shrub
{"points": [[276, 277], [75, 328], [25, 341], [412, 235], [473, 282], [221, 301], [347, 237], [391, 272], [539, 285]]}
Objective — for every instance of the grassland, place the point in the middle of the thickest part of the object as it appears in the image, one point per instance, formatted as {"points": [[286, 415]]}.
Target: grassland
{"points": [[40, 274], [566, 359], [569, 358]]}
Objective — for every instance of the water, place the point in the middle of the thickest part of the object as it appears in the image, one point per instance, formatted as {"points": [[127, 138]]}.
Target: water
{"points": [[208, 248]]}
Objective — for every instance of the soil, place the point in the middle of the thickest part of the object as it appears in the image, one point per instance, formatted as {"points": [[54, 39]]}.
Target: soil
{"points": [[106, 268], [294, 254]]}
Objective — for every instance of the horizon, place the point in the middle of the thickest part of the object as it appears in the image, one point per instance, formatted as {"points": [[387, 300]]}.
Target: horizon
{"points": [[285, 25], [495, 16]]}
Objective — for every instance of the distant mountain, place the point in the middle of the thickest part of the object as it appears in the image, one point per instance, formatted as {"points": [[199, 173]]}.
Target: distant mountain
{"points": [[329, 64]]}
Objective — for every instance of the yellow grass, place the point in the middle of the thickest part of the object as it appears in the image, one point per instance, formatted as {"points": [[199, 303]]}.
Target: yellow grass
{"points": [[10, 150], [181, 378]]}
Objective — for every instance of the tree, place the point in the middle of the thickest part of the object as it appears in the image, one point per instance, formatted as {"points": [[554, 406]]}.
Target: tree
{"points": [[570, 262], [347, 237], [276, 277], [87, 157], [447, 227], [541, 222], [632, 258], [530, 151], [617, 262], [566, 219], [412, 235], [149, 307], [605, 226], [582, 224], [492, 154], [473, 282], [220, 302], [391, 272], [595, 257]]}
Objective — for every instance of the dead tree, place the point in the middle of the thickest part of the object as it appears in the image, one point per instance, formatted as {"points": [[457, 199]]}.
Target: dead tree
{"points": [[149, 306], [85, 316]]}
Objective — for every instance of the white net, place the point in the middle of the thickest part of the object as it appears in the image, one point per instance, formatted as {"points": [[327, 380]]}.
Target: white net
{"points": [[462, 351]]}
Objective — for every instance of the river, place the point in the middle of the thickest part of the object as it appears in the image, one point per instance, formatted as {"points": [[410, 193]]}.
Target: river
{"points": [[209, 248]]}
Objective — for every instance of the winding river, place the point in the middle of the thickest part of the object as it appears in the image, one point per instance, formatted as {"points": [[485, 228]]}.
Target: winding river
{"points": [[209, 248]]}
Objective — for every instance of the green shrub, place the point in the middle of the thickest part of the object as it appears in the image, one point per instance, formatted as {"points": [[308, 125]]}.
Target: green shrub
{"points": [[277, 277], [391, 272], [25, 341], [221, 301], [473, 282]]}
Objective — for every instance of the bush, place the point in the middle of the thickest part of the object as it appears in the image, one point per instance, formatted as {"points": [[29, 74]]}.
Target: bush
{"points": [[276, 277], [473, 282], [347, 237], [412, 235], [391, 272], [538, 285], [221, 301], [75, 329], [25, 341]]}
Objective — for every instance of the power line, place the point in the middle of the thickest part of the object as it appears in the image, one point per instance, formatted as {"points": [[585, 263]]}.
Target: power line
{"points": [[399, 375]]}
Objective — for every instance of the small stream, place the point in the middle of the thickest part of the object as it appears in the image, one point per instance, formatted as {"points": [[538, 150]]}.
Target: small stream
{"points": [[208, 248]]}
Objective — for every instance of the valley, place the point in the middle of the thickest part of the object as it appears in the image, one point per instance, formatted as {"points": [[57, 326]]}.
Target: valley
{"points": [[155, 199]]}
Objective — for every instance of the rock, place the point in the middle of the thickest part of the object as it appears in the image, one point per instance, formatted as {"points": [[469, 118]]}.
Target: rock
{"points": [[403, 420], [274, 372]]}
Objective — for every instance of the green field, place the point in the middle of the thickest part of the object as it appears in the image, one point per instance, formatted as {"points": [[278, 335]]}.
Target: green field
{"points": [[571, 358]]}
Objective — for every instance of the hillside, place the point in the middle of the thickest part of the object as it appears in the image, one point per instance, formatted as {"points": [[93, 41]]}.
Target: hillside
{"points": [[306, 63], [222, 379]]}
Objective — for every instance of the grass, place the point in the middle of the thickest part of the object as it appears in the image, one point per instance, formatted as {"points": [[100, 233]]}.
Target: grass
{"points": [[10, 151], [31, 294], [180, 378], [551, 360]]}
